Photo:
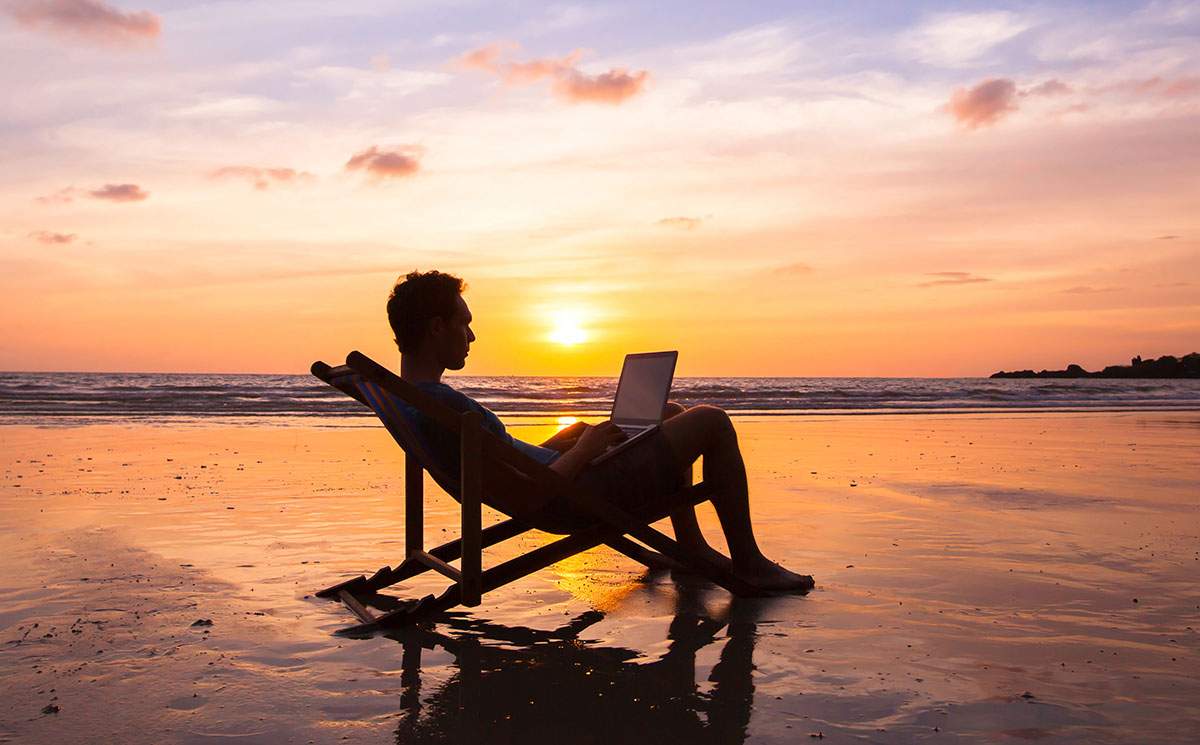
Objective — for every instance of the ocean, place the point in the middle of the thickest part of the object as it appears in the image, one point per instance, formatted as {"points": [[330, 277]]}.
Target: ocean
{"points": [[34, 397]]}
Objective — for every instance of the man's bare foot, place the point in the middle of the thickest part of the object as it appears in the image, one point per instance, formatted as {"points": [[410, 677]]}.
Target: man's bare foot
{"points": [[769, 576], [763, 574]]}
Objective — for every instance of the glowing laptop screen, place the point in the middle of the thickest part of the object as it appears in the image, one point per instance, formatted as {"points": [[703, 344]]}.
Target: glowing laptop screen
{"points": [[645, 384]]}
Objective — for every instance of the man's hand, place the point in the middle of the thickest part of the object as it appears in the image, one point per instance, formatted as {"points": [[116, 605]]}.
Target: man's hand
{"points": [[593, 441], [598, 438]]}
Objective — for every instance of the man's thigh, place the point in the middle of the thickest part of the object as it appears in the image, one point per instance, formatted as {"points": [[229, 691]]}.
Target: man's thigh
{"points": [[691, 432]]}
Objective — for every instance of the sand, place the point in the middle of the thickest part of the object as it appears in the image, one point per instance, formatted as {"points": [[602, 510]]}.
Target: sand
{"points": [[980, 579]]}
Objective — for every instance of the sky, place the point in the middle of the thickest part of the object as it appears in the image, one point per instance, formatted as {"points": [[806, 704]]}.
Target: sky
{"points": [[825, 188]]}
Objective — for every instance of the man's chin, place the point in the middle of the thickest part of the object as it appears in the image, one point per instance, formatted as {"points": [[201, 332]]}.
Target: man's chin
{"points": [[460, 364]]}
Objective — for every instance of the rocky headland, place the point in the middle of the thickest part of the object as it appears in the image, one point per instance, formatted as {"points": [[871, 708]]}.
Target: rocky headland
{"points": [[1167, 366]]}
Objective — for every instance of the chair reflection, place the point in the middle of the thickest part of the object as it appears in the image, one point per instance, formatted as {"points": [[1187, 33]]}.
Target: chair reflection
{"points": [[514, 684]]}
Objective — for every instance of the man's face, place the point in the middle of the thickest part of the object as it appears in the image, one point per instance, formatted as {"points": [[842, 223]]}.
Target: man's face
{"points": [[455, 337]]}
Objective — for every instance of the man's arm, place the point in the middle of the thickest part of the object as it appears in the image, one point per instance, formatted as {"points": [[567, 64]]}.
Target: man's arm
{"points": [[565, 438], [592, 442]]}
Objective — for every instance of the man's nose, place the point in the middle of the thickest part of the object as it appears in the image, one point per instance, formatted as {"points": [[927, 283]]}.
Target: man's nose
{"points": [[470, 335]]}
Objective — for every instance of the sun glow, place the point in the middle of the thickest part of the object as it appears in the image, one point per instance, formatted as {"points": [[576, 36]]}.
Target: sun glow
{"points": [[567, 327]]}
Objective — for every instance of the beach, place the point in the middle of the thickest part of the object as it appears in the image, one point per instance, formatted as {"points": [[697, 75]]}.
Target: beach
{"points": [[981, 577]]}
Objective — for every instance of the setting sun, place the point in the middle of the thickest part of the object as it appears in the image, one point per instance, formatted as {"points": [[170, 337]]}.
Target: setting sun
{"points": [[566, 327]]}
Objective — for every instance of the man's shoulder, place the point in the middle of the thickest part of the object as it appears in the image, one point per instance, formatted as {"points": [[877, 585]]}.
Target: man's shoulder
{"points": [[449, 396]]}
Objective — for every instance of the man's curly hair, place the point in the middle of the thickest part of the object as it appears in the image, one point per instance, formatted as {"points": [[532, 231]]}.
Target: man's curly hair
{"points": [[416, 299]]}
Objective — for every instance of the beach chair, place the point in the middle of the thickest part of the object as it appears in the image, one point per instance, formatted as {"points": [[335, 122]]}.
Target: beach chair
{"points": [[492, 472]]}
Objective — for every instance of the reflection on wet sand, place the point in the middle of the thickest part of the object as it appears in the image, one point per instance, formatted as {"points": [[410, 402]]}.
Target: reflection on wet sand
{"points": [[963, 562], [511, 684]]}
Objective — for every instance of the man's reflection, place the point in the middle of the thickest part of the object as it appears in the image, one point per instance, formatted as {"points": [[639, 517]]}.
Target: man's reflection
{"points": [[549, 686]]}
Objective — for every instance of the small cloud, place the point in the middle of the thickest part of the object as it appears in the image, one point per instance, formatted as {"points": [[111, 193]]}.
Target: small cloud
{"points": [[386, 163], [683, 223], [523, 73], [93, 20], [62, 196], [262, 178], [486, 58], [1052, 87], [983, 104], [120, 193], [52, 239], [1075, 108], [1167, 237], [381, 62], [952, 278], [570, 83], [793, 269], [1087, 290], [612, 87]]}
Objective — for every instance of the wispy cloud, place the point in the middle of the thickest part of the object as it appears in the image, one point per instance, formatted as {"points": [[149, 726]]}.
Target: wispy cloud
{"points": [[262, 178], [120, 193], [570, 83], [62, 196], [957, 39], [683, 223], [1052, 87], [397, 163], [952, 278], [1178, 87], [51, 238], [93, 20], [108, 192], [1087, 290], [225, 107], [983, 104], [795, 268]]}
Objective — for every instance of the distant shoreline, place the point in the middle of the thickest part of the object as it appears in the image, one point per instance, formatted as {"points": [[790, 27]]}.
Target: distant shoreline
{"points": [[1163, 368]]}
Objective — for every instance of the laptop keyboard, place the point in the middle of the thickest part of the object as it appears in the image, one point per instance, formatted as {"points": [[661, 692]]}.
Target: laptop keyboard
{"points": [[631, 429]]}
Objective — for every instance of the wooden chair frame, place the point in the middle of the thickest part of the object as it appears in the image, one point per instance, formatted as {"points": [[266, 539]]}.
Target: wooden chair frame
{"points": [[511, 473]]}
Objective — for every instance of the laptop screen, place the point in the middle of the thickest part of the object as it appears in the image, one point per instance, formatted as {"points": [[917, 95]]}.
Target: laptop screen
{"points": [[645, 384]]}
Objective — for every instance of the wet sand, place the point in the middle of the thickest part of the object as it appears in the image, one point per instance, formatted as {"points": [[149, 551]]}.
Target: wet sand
{"points": [[980, 579]]}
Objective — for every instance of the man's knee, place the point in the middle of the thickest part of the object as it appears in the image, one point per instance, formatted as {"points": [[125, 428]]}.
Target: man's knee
{"points": [[672, 408], [715, 419]]}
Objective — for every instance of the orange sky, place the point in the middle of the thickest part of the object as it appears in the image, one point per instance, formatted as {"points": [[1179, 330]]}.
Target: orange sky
{"points": [[925, 192]]}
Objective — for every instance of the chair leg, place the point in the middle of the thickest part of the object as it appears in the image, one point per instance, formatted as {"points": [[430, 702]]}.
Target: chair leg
{"points": [[414, 505], [471, 497], [653, 560], [387, 576]]}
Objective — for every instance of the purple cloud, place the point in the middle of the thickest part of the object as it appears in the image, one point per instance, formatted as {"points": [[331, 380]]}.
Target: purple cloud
{"points": [[983, 104], [94, 20], [51, 238], [120, 193], [381, 164]]}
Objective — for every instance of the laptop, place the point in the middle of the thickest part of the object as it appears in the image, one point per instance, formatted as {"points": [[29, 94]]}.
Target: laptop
{"points": [[641, 395]]}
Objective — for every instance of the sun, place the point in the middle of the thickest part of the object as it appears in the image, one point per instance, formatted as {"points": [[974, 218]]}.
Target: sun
{"points": [[567, 327]]}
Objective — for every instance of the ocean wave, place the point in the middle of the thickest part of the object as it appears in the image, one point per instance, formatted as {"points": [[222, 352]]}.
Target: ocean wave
{"points": [[134, 395]]}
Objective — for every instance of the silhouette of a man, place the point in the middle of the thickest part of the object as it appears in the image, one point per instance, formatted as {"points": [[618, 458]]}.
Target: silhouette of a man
{"points": [[432, 324]]}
